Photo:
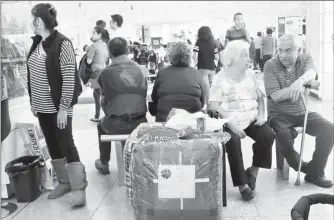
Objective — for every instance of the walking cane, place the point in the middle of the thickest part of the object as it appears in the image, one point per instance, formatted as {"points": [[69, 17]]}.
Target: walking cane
{"points": [[304, 99], [314, 85]]}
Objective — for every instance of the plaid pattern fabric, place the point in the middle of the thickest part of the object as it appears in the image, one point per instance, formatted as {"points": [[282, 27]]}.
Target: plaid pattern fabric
{"points": [[130, 145], [133, 141]]}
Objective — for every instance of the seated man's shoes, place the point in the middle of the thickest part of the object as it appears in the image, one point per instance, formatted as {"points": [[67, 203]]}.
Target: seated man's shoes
{"points": [[94, 119], [102, 167], [304, 167], [247, 194], [251, 179], [319, 181]]}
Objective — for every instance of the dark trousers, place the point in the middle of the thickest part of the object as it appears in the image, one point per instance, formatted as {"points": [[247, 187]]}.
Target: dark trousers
{"points": [[265, 59], [97, 99], [264, 138], [118, 126], [59, 141], [258, 57], [317, 126]]}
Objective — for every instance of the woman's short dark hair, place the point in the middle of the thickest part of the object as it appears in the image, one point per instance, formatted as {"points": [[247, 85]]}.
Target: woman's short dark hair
{"points": [[118, 19], [47, 13], [104, 33], [118, 46], [101, 23], [180, 54]]}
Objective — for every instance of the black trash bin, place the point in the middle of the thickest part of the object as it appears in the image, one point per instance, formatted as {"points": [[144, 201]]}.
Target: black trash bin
{"points": [[26, 176]]}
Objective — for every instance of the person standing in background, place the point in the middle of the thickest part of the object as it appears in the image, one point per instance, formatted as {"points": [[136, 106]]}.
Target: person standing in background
{"points": [[269, 47], [220, 62], [258, 43], [105, 37], [97, 56], [205, 54], [238, 31], [102, 24], [116, 23], [252, 53]]}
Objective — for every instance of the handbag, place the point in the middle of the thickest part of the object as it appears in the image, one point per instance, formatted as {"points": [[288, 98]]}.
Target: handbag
{"points": [[85, 70], [153, 108]]}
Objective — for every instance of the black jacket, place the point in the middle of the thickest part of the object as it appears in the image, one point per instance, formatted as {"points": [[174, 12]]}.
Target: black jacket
{"points": [[52, 45], [85, 71]]}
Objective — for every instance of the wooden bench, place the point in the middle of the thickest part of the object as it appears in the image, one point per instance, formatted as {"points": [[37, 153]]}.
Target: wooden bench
{"points": [[117, 140]]}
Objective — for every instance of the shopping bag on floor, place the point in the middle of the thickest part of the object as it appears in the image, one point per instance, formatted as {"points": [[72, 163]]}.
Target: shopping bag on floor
{"points": [[34, 141]]}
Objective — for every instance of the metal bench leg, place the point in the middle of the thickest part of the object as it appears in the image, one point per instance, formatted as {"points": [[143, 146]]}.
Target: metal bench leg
{"points": [[120, 162], [286, 170], [279, 158], [224, 177], [282, 164]]}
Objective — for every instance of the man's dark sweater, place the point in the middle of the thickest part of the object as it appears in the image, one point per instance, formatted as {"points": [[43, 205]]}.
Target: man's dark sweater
{"points": [[124, 89]]}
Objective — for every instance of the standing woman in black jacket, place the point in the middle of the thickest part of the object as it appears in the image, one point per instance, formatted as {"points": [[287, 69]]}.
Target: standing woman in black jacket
{"points": [[54, 87]]}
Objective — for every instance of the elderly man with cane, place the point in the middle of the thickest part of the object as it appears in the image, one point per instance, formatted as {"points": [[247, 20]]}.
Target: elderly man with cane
{"points": [[285, 78]]}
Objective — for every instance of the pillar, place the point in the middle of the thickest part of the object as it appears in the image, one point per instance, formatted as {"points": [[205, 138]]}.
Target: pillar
{"points": [[319, 31], [326, 45]]}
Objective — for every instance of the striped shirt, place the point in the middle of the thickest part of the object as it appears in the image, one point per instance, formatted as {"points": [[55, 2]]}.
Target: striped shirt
{"points": [[41, 99], [276, 77], [235, 34]]}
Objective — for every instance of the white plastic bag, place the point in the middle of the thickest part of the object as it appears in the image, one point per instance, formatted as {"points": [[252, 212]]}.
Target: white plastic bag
{"points": [[183, 119]]}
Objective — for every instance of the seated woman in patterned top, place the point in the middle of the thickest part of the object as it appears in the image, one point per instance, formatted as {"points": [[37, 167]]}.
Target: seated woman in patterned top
{"points": [[235, 94]]}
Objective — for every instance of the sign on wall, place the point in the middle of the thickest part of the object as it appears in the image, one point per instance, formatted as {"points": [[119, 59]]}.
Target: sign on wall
{"points": [[290, 25]]}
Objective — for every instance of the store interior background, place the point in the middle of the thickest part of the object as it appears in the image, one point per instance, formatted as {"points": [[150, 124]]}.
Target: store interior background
{"points": [[161, 19]]}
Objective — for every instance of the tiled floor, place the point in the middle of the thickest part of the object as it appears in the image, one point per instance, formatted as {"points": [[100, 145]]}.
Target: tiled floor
{"points": [[107, 200]]}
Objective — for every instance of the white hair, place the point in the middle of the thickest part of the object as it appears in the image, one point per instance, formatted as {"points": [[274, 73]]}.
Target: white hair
{"points": [[233, 51], [296, 43]]}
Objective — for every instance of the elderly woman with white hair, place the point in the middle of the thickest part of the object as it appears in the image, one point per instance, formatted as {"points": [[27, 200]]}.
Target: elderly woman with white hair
{"points": [[179, 85], [235, 94]]}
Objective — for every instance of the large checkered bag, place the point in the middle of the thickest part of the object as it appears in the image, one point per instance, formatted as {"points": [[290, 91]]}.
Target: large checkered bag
{"points": [[128, 149], [156, 132], [177, 179]]}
